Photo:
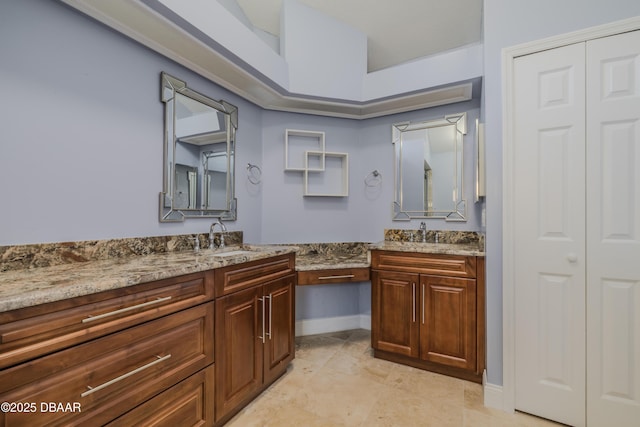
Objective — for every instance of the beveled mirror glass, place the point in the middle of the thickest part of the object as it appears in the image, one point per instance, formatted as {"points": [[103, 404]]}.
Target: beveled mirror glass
{"points": [[428, 169], [199, 148]]}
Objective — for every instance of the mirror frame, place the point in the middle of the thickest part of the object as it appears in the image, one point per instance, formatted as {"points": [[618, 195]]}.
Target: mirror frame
{"points": [[169, 87], [458, 211]]}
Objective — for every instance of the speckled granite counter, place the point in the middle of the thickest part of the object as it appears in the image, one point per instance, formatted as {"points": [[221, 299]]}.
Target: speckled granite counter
{"points": [[37, 274], [27, 287], [467, 249], [325, 256]]}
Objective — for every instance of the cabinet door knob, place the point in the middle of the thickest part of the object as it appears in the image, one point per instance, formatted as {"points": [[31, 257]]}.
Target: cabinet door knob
{"points": [[572, 257]]}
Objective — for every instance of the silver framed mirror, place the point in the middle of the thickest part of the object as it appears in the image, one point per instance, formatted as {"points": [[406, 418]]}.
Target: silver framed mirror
{"points": [[199, 154], [429, 169]]}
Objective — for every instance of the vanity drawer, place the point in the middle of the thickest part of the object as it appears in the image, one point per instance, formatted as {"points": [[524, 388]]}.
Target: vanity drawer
{"points": [[336, 275], [245, 275], [187, 404], [111, 375], [425, 263], [34, 331]]}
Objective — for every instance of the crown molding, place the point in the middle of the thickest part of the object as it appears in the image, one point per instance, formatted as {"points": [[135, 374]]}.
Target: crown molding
{"points": [[146, 26]]}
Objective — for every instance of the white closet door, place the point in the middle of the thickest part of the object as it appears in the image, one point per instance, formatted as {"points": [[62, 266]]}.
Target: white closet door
{"points": [[613, 231], [549, 171]]}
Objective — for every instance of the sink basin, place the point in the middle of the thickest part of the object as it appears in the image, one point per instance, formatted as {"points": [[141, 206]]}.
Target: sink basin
{"points": [[232, 253]]}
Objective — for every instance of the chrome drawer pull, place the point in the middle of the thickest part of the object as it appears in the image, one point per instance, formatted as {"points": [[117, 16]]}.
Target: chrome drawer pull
{"points": [[123, 376], [345, 276], [124, 310], [423, 292], [413, 302], [270, 310], [263, 333]]}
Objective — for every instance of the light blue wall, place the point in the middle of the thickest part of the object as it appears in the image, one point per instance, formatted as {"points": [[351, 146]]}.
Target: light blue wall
{"points": [[508, 23], [289, 217], [81, 140], [81, 151]]}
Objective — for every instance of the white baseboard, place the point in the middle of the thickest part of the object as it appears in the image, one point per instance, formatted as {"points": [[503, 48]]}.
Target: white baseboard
{"points": [[493, 397], [332, 324]]}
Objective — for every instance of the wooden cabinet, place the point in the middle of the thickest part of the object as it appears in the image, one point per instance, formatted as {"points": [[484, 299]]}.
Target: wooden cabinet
{"points": [[113, 374], [279, 337], [335, 275], [428, 311], [145, 354], [448, 333], [394, 325], [187, 404], [239, 348], [35, 331], [254, 330]]}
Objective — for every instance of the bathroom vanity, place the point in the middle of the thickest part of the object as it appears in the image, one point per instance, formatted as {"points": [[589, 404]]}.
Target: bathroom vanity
{"points": [[428, 307], [188, 337], [193, 347]]}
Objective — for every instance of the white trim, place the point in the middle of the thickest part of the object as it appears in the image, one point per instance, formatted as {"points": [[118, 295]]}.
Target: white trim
{"points": [[508, 272], [269, 88], [493, 396], [332, 324]]}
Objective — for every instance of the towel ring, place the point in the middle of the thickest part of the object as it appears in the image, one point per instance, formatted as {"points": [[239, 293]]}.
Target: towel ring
{"points": [[254, 174], [373, 179]]}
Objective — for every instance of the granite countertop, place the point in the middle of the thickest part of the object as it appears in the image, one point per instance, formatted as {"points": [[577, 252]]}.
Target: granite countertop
{"points": [[28, 287], [328, 256], [32, 286], [332, 261], [466, 249]]}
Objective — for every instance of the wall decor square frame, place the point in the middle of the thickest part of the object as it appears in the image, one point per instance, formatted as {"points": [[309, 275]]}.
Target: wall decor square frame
{"points": [[296, 145], [331, 190]]}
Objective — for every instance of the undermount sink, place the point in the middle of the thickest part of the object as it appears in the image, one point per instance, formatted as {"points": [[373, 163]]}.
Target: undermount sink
{"points": [[232, 253]]}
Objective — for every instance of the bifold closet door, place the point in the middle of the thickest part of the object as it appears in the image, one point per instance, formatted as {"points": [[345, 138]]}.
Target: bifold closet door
{"points": [[577, 241], [613, 231], [549, 223]]}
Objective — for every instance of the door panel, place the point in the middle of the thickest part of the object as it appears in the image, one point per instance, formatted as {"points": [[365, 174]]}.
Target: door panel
{"points": [[613, 230], [549, 165], [447, 321], [394, 308], [279, 326], [238, 353]]}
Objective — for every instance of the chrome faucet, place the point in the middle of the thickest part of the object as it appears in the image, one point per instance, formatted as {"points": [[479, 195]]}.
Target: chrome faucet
{"points": [[223, 229], [423, 228]]}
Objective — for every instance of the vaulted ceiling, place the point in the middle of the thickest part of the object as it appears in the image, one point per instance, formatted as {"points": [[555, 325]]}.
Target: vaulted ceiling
{"points": [[420, 53], [397, 30]]}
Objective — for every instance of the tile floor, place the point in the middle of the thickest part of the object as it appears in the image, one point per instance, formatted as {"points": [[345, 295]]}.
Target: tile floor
{"points": [[335, 381]]}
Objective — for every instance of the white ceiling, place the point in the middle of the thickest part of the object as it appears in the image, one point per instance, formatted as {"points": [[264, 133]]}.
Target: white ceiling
{"points": [[397, 30]]}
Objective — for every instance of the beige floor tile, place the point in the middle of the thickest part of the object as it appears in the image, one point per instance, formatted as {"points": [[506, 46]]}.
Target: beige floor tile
{"points": [[334, 381], [366, 367], [318, 349], [430, 385], [405, 408], [340, 397]]}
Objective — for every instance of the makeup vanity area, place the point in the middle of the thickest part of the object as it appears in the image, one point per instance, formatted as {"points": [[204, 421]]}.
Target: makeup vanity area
{"points": [[190, 329]]}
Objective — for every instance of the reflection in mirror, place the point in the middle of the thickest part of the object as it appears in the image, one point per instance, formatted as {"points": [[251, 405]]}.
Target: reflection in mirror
{"points": [[198, 155], [428, 169]]}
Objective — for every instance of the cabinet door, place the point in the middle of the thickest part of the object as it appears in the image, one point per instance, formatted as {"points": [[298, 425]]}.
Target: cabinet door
{"points": [[448, 321], [279, 301], [238, 351], [394, 322]]}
